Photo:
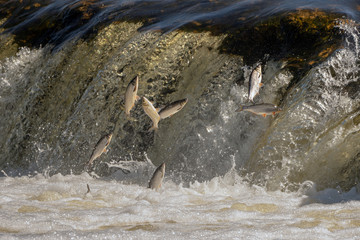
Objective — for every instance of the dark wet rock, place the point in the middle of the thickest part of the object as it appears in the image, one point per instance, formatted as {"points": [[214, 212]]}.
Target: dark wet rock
{"points": [[302, 39], [351, 174], [353, 89], [33, 27]]}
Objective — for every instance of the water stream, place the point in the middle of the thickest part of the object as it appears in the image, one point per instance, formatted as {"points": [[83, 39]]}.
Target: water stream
{"points": [[64, 68]]}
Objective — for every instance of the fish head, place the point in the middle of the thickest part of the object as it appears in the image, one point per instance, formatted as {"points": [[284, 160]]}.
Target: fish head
{"points": [[258, 68], [162, 168], [145, 102], [183, 102], [134, 83], [277, 109], [108, 138]]}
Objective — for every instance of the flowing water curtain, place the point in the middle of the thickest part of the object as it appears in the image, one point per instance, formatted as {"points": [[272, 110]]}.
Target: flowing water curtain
{"points": [[316, 136]]}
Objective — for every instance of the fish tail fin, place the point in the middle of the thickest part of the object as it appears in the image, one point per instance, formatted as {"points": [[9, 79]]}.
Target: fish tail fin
{"points": [[241, 108], [89, 163], [127, 115], [153, 128], [129, 118]]}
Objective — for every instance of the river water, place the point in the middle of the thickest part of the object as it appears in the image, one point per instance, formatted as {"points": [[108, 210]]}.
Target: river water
{"points": [[58, 207], [65, 66]]}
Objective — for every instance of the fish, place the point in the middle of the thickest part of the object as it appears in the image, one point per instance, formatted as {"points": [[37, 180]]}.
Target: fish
{"points": [[255, 82], [151, 112], [157, 178], [262, 109], [131, 95], [99, 148], [88, 193], [172, 108]]}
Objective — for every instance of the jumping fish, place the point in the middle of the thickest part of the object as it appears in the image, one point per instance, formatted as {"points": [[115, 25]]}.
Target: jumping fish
{"points": [[151, 112], [255, 82], [172, 108], [263, 109], [99, 148], [131, 95], [157, 178]]}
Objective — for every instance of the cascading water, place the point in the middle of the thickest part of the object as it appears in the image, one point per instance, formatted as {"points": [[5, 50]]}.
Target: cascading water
{"points": [[228, 174], [318, 131]]}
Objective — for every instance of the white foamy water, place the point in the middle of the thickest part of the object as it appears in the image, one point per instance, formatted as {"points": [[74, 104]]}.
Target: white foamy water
{"points": [[58, 207]]}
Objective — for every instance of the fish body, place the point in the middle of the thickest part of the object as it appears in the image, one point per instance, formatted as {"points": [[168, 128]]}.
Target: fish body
{"points": [[131, 95], [172, 108], [157, 178], [99, 148], [151, 112], [262, 109], [255, 82]]}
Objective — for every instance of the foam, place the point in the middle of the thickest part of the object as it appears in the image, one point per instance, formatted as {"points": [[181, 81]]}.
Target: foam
{"points": [[59, 207]]}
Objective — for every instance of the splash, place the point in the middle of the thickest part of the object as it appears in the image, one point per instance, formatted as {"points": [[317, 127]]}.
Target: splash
{"points": [[316, 134]]}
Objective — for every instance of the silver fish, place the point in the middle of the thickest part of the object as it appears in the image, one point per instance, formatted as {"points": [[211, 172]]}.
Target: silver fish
{"points": [[172, 108], [131, 95], [99, 148], [157, 178], [262, 109], [151, 112], [255, 83]]}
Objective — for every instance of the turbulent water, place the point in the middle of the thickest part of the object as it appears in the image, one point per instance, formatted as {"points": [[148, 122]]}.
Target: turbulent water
{"points": [[58, 207], [65, 66]]}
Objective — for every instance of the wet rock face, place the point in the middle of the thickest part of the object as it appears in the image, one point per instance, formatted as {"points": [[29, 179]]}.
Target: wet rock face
{"points": [[77, 95], [33, 27], [42, 95], [61, 99], [302, 38], [350, 173]]}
